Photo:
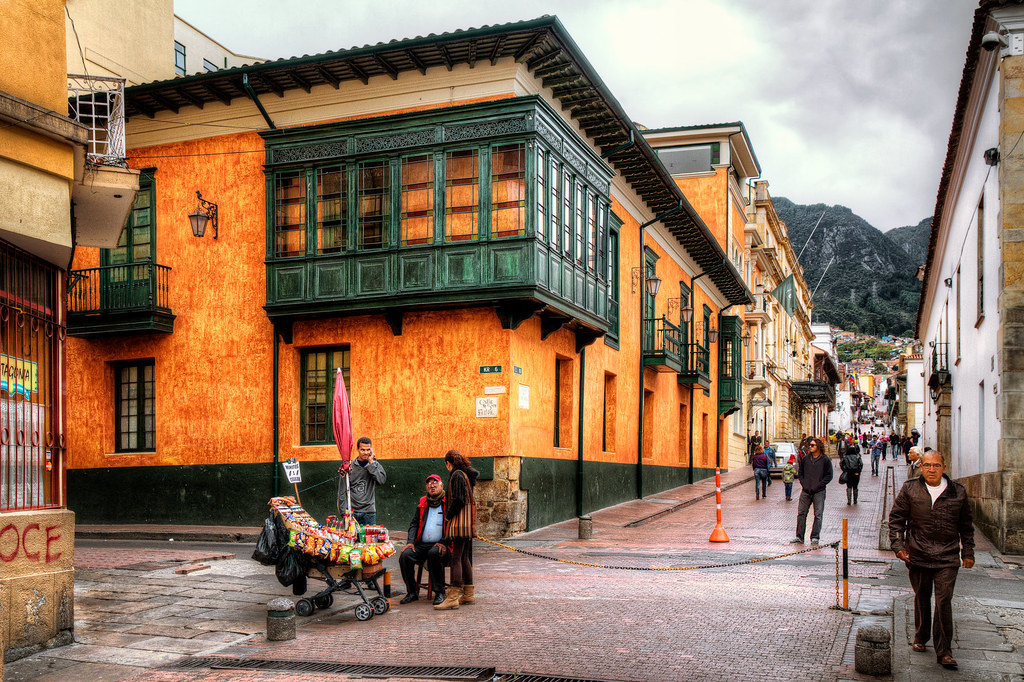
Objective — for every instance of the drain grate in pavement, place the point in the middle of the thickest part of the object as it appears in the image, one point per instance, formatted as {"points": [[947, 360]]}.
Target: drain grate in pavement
{"points": [[382, 671], [520, 677]]}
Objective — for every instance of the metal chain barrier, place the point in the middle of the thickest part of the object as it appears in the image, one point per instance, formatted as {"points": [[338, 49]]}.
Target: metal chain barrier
{"points": [[839, 603], [834, 545]]}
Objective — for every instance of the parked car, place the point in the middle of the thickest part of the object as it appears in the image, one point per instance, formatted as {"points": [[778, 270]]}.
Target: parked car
{"points": [[783, 449]]}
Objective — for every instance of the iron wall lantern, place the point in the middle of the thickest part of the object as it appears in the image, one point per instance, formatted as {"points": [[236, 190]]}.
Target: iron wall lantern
{"points": [[206, 212], [652, 282]]}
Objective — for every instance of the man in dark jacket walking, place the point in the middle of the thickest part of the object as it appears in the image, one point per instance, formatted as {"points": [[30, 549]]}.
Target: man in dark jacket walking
{"points": [[931, 530], [814, 472], [426, 543]]}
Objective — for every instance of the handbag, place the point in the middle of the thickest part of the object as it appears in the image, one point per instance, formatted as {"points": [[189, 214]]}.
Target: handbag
{"points": [[842, 477], [463, 525]]}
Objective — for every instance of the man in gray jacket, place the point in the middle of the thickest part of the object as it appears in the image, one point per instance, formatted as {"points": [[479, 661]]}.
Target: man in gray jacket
{"points": [[363, 477], [814, 471]]}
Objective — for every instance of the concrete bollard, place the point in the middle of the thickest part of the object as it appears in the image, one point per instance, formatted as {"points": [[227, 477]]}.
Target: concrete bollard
{"points": [[873, 652], [280, 619], [586, 528]]}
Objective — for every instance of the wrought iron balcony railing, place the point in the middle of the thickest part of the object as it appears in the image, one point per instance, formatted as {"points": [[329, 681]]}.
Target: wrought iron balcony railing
{"points": [[663, 344], [98, 103], [120, 288]]}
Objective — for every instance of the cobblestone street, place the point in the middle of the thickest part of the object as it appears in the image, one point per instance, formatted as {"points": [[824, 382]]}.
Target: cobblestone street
{"points": [[760, 619]]}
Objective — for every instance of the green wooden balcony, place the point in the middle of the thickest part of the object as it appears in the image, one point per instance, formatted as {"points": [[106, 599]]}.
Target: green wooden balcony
{"points": [[520, 276], [119, 299], [663, 345], [697, 365]]}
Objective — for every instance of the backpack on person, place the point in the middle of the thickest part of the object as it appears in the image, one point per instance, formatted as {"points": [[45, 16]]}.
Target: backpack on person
{"points": [[852, 462]]}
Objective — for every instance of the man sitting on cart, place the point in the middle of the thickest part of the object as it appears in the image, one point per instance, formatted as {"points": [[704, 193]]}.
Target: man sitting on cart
{"points": [[426, 543]]}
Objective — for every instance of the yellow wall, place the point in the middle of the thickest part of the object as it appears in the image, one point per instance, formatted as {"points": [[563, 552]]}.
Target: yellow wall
{"points": [[32, 63], [133, 40]]}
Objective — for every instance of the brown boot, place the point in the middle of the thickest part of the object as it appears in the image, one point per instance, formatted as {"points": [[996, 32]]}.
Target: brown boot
{"points": [[451, 599], [467, 595]]}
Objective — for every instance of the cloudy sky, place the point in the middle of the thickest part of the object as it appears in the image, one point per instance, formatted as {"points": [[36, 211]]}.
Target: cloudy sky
{"points": [[846, 101]]}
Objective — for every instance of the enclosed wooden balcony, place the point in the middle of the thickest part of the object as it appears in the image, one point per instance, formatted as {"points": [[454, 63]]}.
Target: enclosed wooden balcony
{"points": [[663, 345]]}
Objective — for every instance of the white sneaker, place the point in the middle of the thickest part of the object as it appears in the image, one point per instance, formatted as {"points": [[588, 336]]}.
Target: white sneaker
{"points": [[814, 542], [796, 541]]}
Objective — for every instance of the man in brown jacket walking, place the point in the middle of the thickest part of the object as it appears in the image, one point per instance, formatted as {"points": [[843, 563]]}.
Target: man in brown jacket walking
{"points": [[931, 530]]}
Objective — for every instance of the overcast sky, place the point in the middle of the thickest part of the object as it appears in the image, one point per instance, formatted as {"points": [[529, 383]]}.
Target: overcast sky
{"points": [[846, 101]]}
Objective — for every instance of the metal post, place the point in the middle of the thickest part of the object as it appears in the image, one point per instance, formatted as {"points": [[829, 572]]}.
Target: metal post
{"points": [[846, 570]]}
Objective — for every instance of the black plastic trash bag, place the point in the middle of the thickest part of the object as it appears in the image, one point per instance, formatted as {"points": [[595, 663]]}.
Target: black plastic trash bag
{"points": [[268, 545], [291, 568]]}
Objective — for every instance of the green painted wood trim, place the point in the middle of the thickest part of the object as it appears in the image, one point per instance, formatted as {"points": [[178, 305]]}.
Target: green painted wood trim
{"points": [[237, 494]]}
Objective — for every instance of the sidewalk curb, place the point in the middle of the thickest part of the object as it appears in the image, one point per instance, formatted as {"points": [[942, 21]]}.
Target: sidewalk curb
{"points": [[171, 533], [676, 507], [900, 646]]}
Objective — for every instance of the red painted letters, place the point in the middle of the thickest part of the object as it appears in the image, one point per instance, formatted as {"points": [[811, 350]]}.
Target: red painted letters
{"points": [[28, 543]]}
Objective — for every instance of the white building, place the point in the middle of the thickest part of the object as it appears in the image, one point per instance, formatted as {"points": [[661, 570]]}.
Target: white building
{"points": [[971, 314]]}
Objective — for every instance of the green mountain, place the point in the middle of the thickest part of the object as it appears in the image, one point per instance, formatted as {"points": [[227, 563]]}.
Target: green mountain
{"points": [[867, 281], [913, 239]]}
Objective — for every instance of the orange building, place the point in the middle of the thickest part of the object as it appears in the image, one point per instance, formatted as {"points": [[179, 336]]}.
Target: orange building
{"points": [[714, 165], [468, 225]]}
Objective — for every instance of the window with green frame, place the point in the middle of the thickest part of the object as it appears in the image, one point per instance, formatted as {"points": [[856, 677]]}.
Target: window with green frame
{"points": [[135, 407], [317, 392], [331, 225], [706, 334], [612, 337], [373, 204], [439, 194], [137, 241], [462, 195], [508, 190], [417, 217]]}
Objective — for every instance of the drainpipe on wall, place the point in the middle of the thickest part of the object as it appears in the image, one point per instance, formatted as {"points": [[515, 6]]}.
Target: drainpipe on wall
{"points": [[277, 362], [579, 438]]}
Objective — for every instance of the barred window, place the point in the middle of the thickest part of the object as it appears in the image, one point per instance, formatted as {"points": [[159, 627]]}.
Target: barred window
{"points": [[135, 410]]}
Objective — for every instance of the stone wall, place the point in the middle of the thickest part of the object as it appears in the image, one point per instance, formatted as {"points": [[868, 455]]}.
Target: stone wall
{"points": [[1010, 343], [37, 587], [500, 504]]}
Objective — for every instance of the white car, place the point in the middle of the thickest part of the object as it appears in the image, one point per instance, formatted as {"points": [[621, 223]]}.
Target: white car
{"points": [[783, 450]]}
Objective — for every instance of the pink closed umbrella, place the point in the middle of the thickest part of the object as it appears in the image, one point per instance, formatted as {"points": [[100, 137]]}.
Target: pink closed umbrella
{"points": [[342, 422]]}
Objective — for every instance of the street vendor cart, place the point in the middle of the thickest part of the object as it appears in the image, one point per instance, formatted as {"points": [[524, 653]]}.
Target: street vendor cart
{"points": [[341, 553]]}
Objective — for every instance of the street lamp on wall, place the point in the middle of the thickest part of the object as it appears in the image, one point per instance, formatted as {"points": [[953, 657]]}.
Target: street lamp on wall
{"points": [[746, 339], [652, 282], [713, 335], [206, 212]]}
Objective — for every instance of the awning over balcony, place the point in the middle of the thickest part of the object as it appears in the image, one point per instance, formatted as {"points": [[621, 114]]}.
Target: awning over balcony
{"points": [[814, 391]]}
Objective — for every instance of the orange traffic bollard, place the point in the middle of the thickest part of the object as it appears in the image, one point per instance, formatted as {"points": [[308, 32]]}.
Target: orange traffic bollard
{"points": [[718, 534]]}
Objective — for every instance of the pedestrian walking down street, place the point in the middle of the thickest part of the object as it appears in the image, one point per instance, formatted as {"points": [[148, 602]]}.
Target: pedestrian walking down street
{"points": [[814, 472], [760, 464], [788, 474], [460, 529], [914, 457], [932, 532], [851, 465], [876, 454]]}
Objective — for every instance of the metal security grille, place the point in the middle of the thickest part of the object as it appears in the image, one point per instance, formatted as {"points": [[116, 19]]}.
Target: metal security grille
{"points": [[371, 671], [31, 419], [424, 672], [98, 103]]}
